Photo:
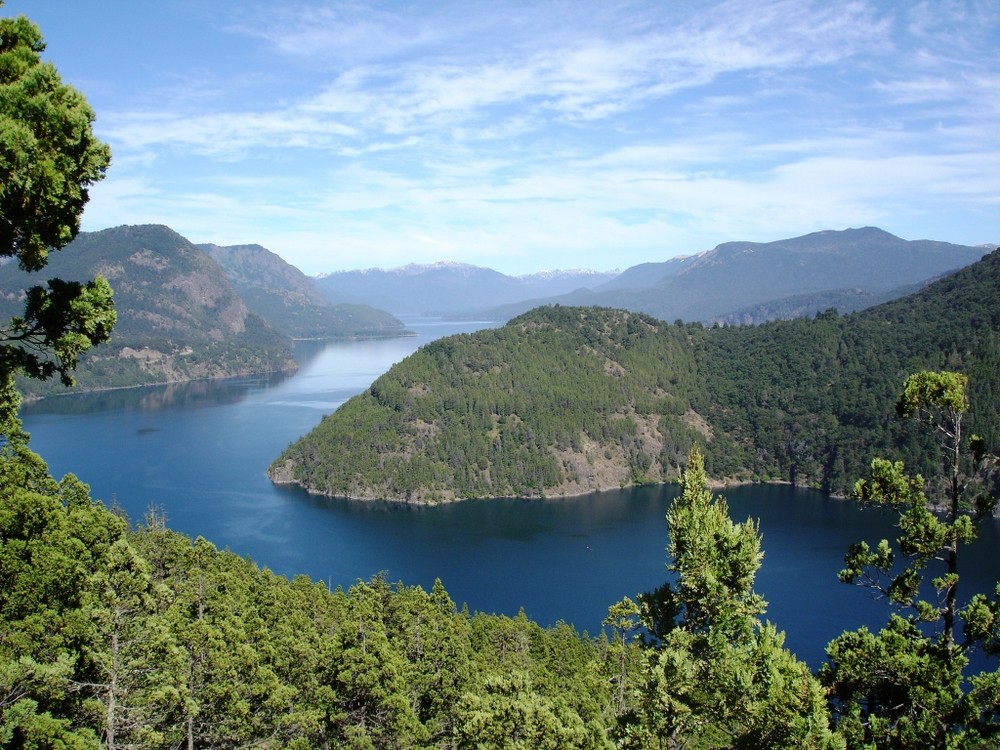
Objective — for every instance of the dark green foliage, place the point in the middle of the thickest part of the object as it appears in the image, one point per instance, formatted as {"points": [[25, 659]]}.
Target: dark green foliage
{"points": [[142, 638], [896, 688], [52, 539], [594, 398], [572, 399], [717, 676], [49, 158], [809, 305], [905, 686]]}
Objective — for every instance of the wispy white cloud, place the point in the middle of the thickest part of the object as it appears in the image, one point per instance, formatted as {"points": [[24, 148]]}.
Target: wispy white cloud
{"points": [[364, 133]]}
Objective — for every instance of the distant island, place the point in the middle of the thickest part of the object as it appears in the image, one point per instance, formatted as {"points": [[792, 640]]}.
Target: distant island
{"points": [[565, 400]]}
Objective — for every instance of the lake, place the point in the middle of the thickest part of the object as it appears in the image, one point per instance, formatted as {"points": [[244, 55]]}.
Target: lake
{"points": [[198, 453]]}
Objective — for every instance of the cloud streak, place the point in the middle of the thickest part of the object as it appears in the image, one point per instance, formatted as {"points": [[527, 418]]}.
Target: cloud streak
{"points": [[586, 134]]}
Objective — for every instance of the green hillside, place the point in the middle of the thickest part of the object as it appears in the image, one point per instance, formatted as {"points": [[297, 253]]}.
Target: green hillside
{"points": [[565, 400], [179, 318]]}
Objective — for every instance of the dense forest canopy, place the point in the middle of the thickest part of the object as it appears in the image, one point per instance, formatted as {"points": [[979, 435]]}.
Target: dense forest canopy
{"points": [[567, 400]]}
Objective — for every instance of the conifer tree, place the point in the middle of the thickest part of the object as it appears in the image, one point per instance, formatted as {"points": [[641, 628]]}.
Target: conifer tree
{"points": [[369, 707], [509, 714], [49, 157], [137, 684], [51, 538], [717, 676], [904, 686]]}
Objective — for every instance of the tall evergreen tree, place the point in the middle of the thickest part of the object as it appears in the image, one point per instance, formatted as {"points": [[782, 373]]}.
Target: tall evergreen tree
{"points": [[717, 676], [52, 537], [135, 660], [904, 686], [370, 707], [49, 157]]}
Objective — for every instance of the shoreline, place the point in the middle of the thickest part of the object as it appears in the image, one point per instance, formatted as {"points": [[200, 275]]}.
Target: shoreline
{"points": [[32, 398], [714, 485]]}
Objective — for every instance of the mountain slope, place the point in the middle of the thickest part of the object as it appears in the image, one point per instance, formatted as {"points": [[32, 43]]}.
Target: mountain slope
{"points": [[290, 301], [646, 275], [448, 288], [565, 400], [179, 318], [736, 276], [806, 305]]}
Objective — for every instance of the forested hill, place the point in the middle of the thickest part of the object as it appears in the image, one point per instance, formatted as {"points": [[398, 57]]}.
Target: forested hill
{"points": [[567, 400], [179, 318]]}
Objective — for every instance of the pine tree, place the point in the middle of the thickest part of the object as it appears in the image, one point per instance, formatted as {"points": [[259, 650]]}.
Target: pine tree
{"points": [[49, 157], [718, 676], [904, 687], [137, 687]]}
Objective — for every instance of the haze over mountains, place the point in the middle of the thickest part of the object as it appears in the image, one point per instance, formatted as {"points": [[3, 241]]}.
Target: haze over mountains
{"points": [[448, 288], [290, 301], [743, 282]]}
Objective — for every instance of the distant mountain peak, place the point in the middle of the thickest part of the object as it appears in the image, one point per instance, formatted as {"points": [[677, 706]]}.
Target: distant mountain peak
{"points": [[415, 269]]}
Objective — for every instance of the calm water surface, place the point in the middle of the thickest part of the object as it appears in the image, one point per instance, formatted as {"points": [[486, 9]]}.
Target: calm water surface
{"points": [[198, 452]]}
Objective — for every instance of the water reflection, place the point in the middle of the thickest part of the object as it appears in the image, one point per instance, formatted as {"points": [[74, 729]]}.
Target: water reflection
{"points": [[189, 395]]}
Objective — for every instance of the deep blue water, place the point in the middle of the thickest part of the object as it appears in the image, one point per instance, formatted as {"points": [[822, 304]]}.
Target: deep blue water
{"points": [[198, 452]]}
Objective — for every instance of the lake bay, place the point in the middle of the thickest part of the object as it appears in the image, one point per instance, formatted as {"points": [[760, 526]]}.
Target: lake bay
{"points": [[198, 453]]}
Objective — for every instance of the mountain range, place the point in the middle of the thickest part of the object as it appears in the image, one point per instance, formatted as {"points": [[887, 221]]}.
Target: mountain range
{"points": [[736, 282], [190, 311], [448, 288], [750, 282]]}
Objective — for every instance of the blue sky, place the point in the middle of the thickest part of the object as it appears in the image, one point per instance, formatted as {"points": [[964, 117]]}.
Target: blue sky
{"points": [[535, 135]]}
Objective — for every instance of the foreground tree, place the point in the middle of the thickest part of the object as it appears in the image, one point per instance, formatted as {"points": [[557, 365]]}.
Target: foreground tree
{"points": [[718, 677], [52, 538], [133, 660], [49, 157], [904, 686]]}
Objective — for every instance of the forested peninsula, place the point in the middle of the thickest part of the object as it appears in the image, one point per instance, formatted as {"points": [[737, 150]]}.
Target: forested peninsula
{"points": [[565, 400]]}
